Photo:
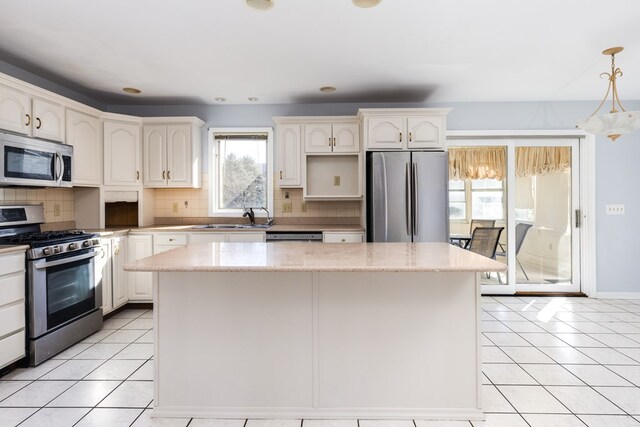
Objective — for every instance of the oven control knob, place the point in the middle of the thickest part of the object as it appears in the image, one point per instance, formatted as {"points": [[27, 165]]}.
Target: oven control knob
{"points": [[96, 241], [46, 251], [86, 243], [73, 246], [56, 249]]}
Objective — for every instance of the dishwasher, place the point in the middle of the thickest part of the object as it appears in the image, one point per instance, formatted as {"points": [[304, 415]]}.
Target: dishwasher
{"points": [[294, 236]]}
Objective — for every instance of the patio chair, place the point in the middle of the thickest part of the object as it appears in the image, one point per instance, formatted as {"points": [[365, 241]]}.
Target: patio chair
{"points": [[521, 232], [484, 241]]}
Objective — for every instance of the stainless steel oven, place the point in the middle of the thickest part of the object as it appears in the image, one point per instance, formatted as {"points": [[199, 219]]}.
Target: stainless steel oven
{"points": [[34, 162]]}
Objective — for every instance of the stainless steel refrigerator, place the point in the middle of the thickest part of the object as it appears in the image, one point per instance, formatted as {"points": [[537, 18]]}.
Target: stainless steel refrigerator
{"points": [[407, 196]]}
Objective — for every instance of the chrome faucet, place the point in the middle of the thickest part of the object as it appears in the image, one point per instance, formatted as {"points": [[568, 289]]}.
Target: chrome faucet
{"points": [[269, 219], [248, 212]]}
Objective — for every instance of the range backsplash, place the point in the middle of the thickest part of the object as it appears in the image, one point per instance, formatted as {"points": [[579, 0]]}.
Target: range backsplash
{"points": [[58, 202]]}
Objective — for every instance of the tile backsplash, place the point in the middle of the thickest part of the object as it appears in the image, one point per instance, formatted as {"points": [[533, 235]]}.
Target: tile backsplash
{"points": [[58, 202], [180, 203]]}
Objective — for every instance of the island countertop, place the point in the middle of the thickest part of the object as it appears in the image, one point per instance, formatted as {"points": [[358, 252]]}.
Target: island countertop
{"points": [[317, 257]]}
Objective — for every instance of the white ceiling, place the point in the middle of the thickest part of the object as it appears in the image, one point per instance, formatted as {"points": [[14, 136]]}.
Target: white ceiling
{"points": [[401, 50]]}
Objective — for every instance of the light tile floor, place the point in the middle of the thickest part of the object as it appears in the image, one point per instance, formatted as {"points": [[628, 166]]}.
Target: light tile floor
{"points": [[546, 362]]}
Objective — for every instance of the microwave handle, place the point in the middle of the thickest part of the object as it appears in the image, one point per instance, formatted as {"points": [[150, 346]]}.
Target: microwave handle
{"points": [[59, 165]]}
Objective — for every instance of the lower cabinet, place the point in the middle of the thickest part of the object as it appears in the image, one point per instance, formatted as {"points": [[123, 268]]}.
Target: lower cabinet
{"points": [[140, 284], [342, 237], [119, 277], [163, 242], [12, 308], [237, 237], [103, 272]]}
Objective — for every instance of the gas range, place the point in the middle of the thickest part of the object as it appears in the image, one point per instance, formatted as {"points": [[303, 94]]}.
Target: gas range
{"points": [[47, 243]]}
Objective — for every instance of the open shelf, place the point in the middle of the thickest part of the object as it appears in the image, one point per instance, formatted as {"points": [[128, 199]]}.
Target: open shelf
{"points": [[333, 177]]}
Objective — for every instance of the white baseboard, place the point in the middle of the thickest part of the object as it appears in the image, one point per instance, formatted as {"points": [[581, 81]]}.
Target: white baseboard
{"points": [[617, 295]]}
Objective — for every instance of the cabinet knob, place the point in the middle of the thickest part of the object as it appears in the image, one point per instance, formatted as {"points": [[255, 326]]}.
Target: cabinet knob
{"points": [[280, 174], [171, 240], [116, 250], [400, 136], [28, 120], [344, 240], [38, 123], [410, 137]]}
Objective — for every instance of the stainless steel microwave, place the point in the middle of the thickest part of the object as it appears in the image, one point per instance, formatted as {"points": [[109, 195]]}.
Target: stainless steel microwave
{"points": [[34, 162]]}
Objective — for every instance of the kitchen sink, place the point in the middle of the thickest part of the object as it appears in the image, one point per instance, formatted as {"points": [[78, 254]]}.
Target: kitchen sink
{"points": [[230, 226]]}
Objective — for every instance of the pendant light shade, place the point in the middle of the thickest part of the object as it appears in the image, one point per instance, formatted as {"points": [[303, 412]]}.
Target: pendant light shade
{"points": [[615, 123]]}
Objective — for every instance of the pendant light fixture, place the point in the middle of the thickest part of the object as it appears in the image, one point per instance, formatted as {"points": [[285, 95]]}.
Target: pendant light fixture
{"points": [[615, 123]]}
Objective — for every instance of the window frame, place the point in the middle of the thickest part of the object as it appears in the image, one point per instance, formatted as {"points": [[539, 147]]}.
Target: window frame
{"points": [[212, 169], [468, 195]]}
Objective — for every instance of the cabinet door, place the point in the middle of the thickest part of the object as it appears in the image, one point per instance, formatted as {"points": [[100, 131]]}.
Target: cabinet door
{"points": [[121, 154], [246, 237], [140, 284], [386, 132], [119, 277], [103, 275], [202, 237], [317, 138], [288, 147], [426, 132], [48, 120], [179, 160], [15, 114], [346, 138], [154, 152], [83, 133]]}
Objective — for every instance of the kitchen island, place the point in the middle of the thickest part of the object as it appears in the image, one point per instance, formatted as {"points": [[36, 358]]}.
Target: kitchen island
{"points": [[312, 330]]}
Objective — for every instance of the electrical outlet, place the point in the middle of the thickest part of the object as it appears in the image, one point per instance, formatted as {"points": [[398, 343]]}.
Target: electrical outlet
{"points": [[286, 207], [186, 203], [615, 209], [56, 210], [286, 194], [303, 207], [175, 207], [336, 181]]}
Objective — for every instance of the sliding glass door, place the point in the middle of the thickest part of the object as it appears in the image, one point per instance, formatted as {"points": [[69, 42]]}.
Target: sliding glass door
{"points": [[530, 189]]}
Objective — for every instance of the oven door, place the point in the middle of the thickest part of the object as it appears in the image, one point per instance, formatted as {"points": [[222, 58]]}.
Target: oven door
{"points": [[61, 288], [32, 162]]}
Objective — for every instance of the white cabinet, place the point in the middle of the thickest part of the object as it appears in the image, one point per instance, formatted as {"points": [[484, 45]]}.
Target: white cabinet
{"points": [[342, 237], [204, 237], [163, 242], [404, 128], [245, 237], [171, 154], [121, 153], [12, 308], [324, 137], [140, 283], [31, 116], [289, 154], [119, 277], [15, 111], [103, 275], [240, 236], [83, 133]]}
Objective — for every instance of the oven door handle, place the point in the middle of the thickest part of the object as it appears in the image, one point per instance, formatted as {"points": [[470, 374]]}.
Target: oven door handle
{"points": [[64, 261]]}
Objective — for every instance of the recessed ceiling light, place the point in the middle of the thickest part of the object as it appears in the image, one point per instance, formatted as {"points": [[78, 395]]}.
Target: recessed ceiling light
{"points": [[252, 99], [131, 90], [220, 99], [259, 4], [327, 89], [366, 3]]}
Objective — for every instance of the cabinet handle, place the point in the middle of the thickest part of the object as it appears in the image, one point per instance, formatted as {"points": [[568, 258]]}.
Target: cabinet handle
{"points": [[410, 137], [137, 175], [163, 174], [38, 123], [168, 174], [116, 250], [400, 136], [28, 120], [280, 174], [334, 142], [344, 240], [102, 253]]}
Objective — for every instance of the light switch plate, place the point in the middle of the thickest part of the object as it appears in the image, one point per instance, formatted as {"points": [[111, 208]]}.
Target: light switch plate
{"points": [[615, 209], [336, 181]]}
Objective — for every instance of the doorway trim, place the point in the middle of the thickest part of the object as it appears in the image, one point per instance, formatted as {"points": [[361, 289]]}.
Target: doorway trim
{"points": [[587, 189]]}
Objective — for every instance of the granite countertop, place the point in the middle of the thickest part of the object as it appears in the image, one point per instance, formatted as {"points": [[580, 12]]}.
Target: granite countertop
{"points": [[7, 249], [355, 228], [308, 257]]}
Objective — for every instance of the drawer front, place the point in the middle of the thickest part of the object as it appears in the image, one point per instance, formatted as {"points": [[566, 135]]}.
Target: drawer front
{"points": [[11, 288], [342, 237], [12, 348], [163, 248], [12, 263], [170, 239], [201, 237], [11, 318], [246, 237]]}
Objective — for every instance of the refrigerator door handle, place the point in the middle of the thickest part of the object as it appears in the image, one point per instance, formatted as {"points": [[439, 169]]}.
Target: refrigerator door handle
{"points": [[408, 197], [384, 202], [414, 199]]}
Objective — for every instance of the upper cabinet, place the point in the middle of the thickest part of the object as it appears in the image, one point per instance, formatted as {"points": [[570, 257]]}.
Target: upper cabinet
{"points": [[171, 153], [122, 163], [288, 148], [404, 128], [31, 116], [328, 137], [83, 133]]}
